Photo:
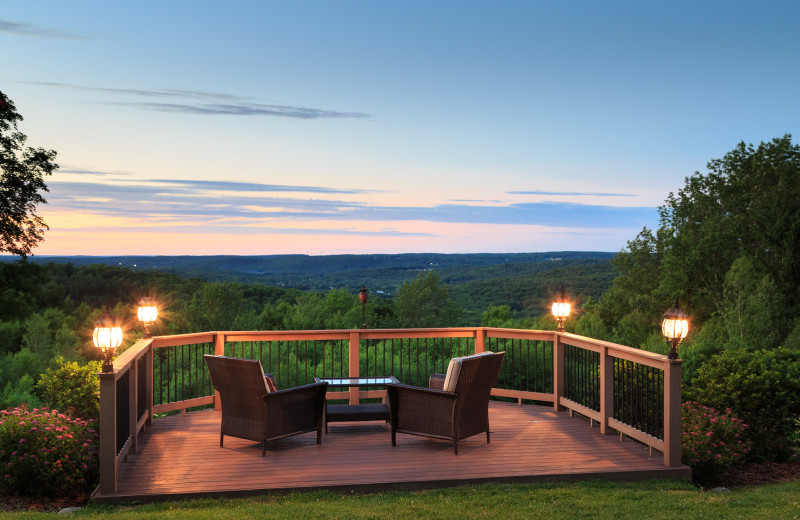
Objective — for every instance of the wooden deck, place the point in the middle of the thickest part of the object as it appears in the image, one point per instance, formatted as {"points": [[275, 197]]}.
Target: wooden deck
{"points": [[180, 457]]}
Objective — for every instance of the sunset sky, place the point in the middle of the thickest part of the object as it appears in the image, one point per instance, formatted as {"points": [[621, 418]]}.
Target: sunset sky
{"points": [[385, 127]]}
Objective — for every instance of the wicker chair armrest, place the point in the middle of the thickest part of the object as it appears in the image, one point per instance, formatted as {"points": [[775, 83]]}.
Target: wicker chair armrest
{"points": [[401, 389], [312, 389], [436, 381]]}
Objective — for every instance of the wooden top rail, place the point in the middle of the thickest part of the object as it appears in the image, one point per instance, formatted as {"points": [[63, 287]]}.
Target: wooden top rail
{"points": [[183, 339], [643, 357], [618, 351]]}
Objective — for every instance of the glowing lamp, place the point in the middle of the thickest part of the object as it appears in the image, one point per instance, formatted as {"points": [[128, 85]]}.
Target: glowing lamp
{"points": [[561, 310], [148, 312], [107, 337], [674, 327]]}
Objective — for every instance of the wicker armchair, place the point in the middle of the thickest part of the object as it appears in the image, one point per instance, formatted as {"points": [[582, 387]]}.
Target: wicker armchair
{"points": [[251, 411], [461, 412]]}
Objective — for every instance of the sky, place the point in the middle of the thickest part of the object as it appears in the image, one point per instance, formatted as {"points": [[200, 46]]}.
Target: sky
{"points": [[311, 127]]}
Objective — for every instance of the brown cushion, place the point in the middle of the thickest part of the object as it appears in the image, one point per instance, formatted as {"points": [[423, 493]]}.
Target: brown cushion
{"points": [[270, 380]]}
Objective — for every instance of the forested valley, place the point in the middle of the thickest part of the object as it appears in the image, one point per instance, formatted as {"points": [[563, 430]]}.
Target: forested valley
{"points": [[48, 309]]}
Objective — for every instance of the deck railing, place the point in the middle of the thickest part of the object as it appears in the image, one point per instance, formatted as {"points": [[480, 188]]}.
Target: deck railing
{"points": [[627, 390]]}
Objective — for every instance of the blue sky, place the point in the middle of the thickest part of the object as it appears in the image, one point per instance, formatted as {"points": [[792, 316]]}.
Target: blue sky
{"points": [[370, 127]]}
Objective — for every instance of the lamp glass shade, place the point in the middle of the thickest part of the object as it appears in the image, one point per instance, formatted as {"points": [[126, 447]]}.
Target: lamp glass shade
{"points": [[148, 313], [363, 295], [561, 309], [106, 338], [675, 327]]}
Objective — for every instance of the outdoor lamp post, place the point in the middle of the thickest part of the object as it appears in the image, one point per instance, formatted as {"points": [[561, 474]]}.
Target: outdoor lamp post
{"points": [[107, 337], [148, 312], [363, 296], [561, 310], [675, 327]]}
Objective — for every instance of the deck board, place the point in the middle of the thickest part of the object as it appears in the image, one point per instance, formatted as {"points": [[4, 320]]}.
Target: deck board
{"points": [[179, 456]]}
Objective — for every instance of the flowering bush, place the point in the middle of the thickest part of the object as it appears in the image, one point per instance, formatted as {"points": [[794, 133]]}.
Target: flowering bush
{"points": [[711, 441], [44, 452]]}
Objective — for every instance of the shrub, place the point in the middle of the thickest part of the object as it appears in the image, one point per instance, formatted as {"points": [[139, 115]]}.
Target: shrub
{"points": [[72, 387], [44, 452], [711, 441], [762, 388], [19, 393]]}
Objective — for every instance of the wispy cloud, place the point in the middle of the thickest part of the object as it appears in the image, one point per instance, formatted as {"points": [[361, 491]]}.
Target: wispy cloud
{"points": [[203, 186], [216, 203], [96, 173], [571, 193], [247, 109], [206, 103], [34, 31]]}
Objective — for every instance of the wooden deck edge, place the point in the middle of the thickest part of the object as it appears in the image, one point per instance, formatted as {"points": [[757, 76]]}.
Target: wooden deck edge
{"points": [[679, 473]]}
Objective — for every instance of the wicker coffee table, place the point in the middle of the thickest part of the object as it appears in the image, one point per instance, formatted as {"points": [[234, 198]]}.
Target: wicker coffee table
{"points": [[356, 412]]}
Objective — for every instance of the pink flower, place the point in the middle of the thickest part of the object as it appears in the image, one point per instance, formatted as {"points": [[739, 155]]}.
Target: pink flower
{"points": [[22, 441]]}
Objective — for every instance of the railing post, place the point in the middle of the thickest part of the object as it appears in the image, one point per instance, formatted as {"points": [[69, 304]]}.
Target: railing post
{"points": [[133, 404], [353, 359], [480, 340], [558, 371], [606, 390], [108, 433], [148, 375], [672, 413], [219, 350]]}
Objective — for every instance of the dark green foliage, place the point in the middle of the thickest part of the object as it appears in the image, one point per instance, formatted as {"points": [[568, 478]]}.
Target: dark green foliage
{"points": [[727, 245], [424, 302], [762, 387], [10, 336], [19, 392], [22, 172], [72, 387], [24, 362], [529, 290]]}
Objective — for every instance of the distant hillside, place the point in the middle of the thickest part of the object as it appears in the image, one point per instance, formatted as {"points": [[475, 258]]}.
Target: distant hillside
{"points": [[524, 281]]}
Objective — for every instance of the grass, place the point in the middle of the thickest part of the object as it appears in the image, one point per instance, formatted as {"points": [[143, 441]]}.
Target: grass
{"points": [[597, 500]]}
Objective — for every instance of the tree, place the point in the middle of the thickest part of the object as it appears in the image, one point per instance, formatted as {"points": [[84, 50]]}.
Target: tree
{"points": [[22, 179], [425, 303], [728, 244]]}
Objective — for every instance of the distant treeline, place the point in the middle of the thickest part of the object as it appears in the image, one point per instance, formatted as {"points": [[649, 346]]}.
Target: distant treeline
{"points": [[379, 272]]}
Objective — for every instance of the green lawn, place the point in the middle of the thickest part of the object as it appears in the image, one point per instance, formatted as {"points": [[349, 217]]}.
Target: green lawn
{"points": [[596, 500]]}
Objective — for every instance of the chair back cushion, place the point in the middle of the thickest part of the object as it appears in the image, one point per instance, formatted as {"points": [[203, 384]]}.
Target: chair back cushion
{"points": [[454, 369]]}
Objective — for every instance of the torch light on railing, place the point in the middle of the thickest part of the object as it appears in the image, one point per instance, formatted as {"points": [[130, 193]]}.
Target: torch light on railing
{"points": [[148, 312], [675, 327], [561, 309], [107, 337]]}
